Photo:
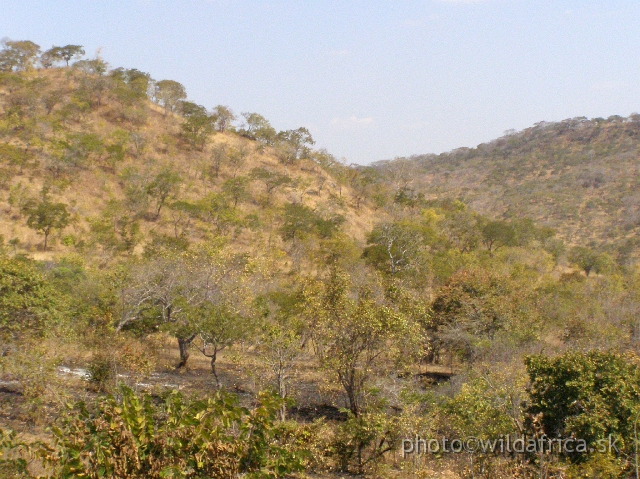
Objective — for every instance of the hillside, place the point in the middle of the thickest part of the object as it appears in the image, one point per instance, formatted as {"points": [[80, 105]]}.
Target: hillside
{"points": [[578, 176], [113, 157]]}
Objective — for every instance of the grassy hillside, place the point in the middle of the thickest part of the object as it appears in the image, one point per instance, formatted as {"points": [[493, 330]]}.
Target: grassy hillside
{"points": [[96, 145], [578, 176]]}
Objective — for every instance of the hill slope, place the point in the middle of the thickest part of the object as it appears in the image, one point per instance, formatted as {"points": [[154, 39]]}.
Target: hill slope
{"points": [[578, 176], [130, 172]]}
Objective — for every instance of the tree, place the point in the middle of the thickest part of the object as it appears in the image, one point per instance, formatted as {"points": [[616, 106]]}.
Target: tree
{"points": [[176, 292], [169, 94], [258, 128], [165, 185], [361, 181], [585, 258], [398, 243], [352, 332], [45, 216], [28, 302], [300, 140], [95, 66], [300, 221], [496, 234], [198, 124], [222, 118], [65, 53], [130, 85], [219, 156], [281, 343], [270, 178], [236, 188], [475, 305], [115, 230], [18, 55], [237, 157], [219, 327]]}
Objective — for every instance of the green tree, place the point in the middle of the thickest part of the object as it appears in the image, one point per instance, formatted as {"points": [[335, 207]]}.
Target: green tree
{"points": [[473, 306], [258, 128], [169, 94], [299, 140], [66, 53], [45, 216], [18, 55], [165, 185], [496, 234], [353, 332], [271, 179], [219, 156], [219, 327], [396, 244], [585, 258], [222, 118], [198, 124], [29, 303], [236, 189], [299, 221], [591, 396]]}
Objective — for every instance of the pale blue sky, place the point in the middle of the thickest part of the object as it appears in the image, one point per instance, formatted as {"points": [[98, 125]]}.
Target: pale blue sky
{"points": [[371, 79]]}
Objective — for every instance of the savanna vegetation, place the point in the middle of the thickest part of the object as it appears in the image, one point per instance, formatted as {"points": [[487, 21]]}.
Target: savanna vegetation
{"points": [[188, 292]]}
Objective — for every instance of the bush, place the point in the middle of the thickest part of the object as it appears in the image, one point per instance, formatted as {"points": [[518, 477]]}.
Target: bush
{"points": [[101, 371], [129, 437]]}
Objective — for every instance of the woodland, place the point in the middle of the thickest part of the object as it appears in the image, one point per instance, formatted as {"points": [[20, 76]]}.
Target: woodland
{"points": [[187, 292]]}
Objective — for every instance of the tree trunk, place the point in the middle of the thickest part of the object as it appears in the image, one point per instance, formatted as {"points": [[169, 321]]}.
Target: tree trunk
{"points": [[183, 345], [213, 366]]}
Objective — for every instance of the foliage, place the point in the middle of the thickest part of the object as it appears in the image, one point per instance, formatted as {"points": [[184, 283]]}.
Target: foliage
{"points": [[352, 335], [65, 53], [300, 220], [18, 55], [590, 396], [126, 436], [29, 304], [169, 94]]}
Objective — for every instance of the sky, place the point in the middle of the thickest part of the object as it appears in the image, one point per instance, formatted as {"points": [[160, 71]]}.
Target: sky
{"points": [[370, 79]]}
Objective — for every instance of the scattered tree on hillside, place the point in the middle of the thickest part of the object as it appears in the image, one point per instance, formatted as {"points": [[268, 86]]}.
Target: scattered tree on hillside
{"points": [[395, 243], [66, 54], [236, 189], [298, 141], [18, 55], [44, 216], [165, 185], [258, 128], [169, 94], [198, 124], [219, 156], [222, 117], [271, 179]]}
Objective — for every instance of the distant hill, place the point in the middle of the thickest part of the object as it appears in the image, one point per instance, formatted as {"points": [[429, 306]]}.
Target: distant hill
{"points": [[578, 176]]}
